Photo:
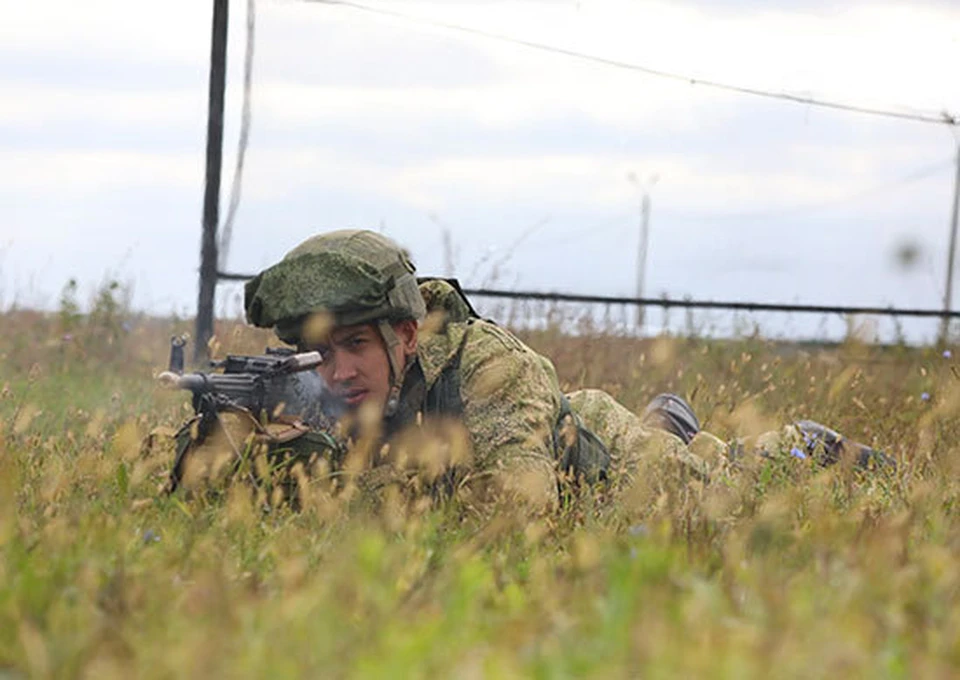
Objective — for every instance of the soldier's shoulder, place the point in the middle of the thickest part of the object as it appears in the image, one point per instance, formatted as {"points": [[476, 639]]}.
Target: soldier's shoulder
{"points": [[470, 343], [487, 337], [442, 297], [512, 387]]}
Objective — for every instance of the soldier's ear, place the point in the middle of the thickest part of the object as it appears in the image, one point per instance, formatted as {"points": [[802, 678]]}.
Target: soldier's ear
{"points": [[406, 331]]}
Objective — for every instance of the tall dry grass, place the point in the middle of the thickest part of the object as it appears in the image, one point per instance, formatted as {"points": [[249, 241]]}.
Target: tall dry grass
{"points": [[776, 569]]}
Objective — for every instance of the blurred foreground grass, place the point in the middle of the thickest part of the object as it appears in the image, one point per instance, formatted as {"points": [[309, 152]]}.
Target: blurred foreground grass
{"points": [[783, 571]]}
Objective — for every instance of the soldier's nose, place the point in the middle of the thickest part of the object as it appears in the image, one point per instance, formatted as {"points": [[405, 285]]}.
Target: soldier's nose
{"points": [[344, 370]]}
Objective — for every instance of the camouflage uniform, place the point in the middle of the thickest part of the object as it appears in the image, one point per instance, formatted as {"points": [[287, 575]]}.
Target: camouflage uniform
{"points": [[513, 407], [522, 429], [524, 432]]}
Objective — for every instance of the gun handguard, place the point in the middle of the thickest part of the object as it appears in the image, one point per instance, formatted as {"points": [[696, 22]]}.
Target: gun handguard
{"points": [[256, 368], [278, 382]]}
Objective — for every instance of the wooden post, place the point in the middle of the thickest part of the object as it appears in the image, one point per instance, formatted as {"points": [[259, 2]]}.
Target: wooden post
{"points": [[211, 195], [642, 255], [951, 253]]}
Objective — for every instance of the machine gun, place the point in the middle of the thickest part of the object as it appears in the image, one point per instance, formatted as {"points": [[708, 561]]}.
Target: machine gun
{"points": [[279, 385]]}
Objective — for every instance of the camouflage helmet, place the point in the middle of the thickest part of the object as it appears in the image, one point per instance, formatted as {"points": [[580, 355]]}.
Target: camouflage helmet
{"points": [[357, 276]]}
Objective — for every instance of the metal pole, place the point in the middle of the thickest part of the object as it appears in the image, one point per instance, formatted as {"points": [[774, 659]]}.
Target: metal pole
{"points": [[211, 195], [951, 253], [642, 253]]}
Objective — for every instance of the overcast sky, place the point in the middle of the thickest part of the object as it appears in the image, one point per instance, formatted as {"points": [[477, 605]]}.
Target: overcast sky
{"points": [[525, 157]]}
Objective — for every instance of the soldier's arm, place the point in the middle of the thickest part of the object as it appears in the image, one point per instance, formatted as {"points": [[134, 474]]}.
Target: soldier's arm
{"points": [[511, 401]]}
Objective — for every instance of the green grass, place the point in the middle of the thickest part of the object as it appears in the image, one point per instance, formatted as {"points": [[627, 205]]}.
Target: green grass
{"points": [[776, 570]]}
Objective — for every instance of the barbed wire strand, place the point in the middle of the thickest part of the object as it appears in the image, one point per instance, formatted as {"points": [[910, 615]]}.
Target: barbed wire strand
{"points": [[244, 137], [683, 303], [943, 118]]}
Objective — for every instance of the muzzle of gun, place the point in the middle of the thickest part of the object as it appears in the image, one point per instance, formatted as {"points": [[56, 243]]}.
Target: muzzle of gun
{"points": [[174, 377]]}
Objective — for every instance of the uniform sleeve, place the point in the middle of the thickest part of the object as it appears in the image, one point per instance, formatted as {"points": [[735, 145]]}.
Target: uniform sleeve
{"points": [[511, 401]]}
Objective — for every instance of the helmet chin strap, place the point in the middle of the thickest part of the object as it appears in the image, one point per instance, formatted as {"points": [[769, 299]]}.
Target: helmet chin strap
{"points": [[397, 372]]}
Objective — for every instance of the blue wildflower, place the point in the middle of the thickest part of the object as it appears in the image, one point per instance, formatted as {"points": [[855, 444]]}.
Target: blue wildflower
{"points": [[151, 536], [925, 396], [947, 354], [797, 453]]}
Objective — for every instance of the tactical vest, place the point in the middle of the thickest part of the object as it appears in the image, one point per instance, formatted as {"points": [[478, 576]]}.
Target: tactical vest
{"points": [[580, 454]]}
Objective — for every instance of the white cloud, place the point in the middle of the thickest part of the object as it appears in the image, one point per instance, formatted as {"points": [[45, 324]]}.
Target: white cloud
{"points": [[847, 57], [26, 104], [570, 182], [564, 182], [896, 54], [505, 104], [79, 174], [173, 30]]}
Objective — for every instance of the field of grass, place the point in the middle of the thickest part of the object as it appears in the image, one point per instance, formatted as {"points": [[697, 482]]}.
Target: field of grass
{"points": [[778, 569]]}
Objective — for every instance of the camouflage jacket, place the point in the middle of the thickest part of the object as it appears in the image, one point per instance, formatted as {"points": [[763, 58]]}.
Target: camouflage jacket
{"points": [[506, 395]]}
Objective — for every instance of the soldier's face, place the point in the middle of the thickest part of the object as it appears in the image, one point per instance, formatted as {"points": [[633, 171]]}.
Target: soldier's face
{"points": [[355, 363]]}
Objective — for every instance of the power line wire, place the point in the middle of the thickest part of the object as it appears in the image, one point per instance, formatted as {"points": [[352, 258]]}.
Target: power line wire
{"points": [[943, 118], [244, 137]]}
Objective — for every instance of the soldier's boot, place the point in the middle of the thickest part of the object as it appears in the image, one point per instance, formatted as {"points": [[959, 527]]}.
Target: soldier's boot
{"points": [[673, 414], [809, 439], [829, 446]]}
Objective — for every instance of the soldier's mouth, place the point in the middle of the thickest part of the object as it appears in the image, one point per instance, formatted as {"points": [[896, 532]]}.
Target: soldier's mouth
{"points": [[355, 397]]}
